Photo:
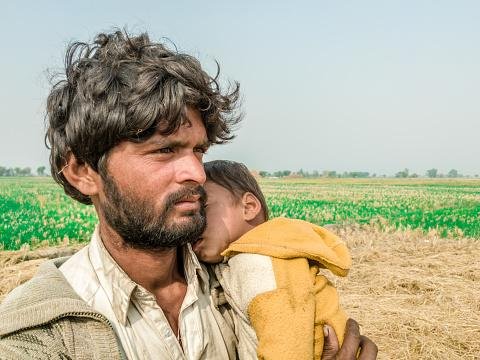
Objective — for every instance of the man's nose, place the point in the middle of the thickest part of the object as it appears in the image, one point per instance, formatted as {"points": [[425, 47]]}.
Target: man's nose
{"points": [[190, 168]]}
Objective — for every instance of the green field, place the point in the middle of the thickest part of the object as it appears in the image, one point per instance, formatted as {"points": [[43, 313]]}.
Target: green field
{"points": [[34, 210]]}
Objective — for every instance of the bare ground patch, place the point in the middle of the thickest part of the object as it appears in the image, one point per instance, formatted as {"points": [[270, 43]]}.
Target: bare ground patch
{"points": [[417, 296]]}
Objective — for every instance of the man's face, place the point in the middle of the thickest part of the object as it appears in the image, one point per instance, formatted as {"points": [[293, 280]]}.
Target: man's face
{"points": [[152, 194]]}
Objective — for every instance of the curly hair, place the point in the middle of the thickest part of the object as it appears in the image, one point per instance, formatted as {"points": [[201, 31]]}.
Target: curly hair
{"points": [[125, 87]]}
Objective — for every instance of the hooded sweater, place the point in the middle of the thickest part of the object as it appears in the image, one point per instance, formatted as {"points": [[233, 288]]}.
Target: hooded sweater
{"points": [[272, 277], [45, 319]]}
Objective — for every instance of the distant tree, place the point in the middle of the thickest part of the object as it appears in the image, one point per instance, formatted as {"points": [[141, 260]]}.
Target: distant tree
{"points": [[315, 173], [329, 174], [16, 171], [414, 175], [402, 174], [452, 173], [26, 171], [432, 173], [358, 174], [41, 171]]}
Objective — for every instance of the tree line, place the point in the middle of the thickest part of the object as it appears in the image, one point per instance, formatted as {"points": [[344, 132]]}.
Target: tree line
{"points": [[405, 173], [25, 171], [431, 173]]}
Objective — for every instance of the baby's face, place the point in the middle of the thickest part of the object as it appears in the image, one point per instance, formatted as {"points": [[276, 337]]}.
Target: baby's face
{"points": [[225, 223]]}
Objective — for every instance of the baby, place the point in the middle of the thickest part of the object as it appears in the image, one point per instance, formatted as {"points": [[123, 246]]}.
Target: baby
{"points": [[269, 270]]}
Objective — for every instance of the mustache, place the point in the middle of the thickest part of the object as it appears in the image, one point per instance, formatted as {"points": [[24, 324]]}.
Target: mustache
{"points": [[175, 197]]}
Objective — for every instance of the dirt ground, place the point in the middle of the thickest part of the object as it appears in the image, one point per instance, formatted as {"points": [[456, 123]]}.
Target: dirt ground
{"points": [[417, 296]]}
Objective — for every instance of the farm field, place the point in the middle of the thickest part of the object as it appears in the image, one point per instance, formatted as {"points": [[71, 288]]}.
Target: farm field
{"points": [[416, 295], [35, 210], [451, 208], [415, 246]]}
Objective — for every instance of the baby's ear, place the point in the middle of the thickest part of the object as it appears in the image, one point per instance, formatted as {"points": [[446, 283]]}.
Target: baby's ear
{"points": [[251, 206]]}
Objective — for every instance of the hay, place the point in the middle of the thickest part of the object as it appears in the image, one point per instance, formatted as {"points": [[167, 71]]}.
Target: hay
{"points": [[417, 296], [16, 267]]}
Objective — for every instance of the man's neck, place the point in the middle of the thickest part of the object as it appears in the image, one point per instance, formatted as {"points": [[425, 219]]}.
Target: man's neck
{"points": [[152, 269]]}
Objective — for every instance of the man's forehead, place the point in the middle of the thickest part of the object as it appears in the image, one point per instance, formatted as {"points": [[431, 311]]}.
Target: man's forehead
{"points": [[186, 133]]}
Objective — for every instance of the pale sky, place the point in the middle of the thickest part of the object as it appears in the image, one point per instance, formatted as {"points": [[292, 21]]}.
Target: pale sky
{"points": [[372, 86]]}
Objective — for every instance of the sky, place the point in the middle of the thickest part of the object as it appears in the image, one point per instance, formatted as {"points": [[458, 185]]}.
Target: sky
{"points": [[374, 86]]}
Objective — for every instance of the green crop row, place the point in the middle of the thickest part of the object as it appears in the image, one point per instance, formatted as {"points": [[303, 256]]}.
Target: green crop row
{"points": [[35, 210], [451, 208]]}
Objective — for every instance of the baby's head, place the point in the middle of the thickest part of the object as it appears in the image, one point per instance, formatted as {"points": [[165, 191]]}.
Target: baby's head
{"points": [[235, 204]]}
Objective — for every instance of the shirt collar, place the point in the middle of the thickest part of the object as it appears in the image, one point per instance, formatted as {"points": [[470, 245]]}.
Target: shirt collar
{"points": [[194, 270], [118, 285], [120, 288]]}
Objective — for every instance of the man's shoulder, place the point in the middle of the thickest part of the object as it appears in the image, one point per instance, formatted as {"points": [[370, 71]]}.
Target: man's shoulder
{"points": [[44, 316], [63, 338], [45, 341], [44, 297], [46, 281]]}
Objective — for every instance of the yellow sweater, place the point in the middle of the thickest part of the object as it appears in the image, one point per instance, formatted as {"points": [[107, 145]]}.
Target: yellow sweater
{"points": [[288, 321]]}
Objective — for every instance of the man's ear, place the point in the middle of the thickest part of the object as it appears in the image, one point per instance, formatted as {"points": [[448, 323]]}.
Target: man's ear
{"points": [[81, 176], [251, 206]]}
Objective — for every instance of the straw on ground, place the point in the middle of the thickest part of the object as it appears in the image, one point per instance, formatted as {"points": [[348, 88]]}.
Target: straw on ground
{"points": [[415, 295]]}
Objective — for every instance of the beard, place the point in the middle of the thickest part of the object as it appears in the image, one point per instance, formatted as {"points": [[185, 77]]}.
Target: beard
{"points": [[137, 222]]}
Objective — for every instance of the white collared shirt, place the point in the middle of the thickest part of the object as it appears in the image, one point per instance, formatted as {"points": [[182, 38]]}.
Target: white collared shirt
{"points": [[139, 323]]}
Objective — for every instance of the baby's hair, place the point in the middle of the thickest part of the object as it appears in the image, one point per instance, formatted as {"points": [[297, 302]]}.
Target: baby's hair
{"points": [[236, 178]]}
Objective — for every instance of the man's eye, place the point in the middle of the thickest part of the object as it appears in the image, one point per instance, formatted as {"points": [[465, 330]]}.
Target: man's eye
{"points": [[200, 150], [165, 150]]}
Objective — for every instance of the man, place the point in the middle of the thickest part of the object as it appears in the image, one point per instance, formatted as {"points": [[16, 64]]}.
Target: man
{"points": [[128, 128]]}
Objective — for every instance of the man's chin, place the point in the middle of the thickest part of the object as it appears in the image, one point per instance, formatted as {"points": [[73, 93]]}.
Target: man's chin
{"points": [[183, 218]]}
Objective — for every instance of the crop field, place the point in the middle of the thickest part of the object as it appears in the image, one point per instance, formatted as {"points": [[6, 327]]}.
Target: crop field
{"points": [[415, 245], [35, 210], [450, 208]]}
